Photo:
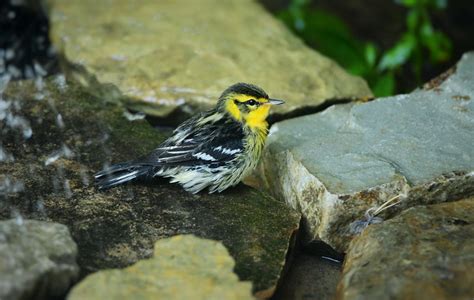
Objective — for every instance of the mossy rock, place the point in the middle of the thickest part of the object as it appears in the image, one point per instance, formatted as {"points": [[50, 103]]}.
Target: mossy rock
{"points": [[74, 134]]}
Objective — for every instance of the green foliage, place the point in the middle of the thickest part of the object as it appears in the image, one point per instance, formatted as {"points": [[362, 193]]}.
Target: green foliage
{"points": [[419, 38], [331, 36]]}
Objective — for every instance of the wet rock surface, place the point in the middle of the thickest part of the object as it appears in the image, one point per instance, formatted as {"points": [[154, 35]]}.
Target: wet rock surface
{"points": [[182, 267], [37, 259], [66, 135], [426, 252], [335, 165], [170, 61]]}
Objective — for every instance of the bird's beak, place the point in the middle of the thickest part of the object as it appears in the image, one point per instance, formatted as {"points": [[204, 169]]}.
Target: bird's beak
{"points": [[275, 101]]}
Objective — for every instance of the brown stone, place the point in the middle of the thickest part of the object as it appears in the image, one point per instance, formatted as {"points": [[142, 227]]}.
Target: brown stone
{"points": [[172, 59], [426, 252]]}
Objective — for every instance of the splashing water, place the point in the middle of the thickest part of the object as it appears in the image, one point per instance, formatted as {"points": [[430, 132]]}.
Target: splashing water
{"points": [[9, 186], [65, 152], [60, 121], [5, 156], [8, 111], [15, 214], [13, 121], [26, 53], [4, 80], [10, 119], [60, 81], [67, 189]]}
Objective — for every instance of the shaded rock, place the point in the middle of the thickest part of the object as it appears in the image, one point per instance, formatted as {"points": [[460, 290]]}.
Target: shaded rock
{"points": [[168, 60], [73, 135], [183, 267], [426, 252], [335, 165], [310, 278], [37, 259]]}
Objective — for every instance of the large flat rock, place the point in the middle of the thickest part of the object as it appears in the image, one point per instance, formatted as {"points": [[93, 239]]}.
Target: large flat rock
{"points": [[335, 165], [424, 253], [56, 137], [182, 267], [37, 260], [170, 58]]}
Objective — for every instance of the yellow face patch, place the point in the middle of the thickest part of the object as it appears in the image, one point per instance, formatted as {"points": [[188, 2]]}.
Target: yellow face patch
{"points": [[233, 109], [257, 118], [252, 113]]}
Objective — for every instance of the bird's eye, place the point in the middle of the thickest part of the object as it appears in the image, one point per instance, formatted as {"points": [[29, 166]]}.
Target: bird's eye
{"points": [[251, 102]]}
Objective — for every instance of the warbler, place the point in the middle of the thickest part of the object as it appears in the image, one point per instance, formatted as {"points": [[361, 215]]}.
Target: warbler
{"points": [[214, 149]]}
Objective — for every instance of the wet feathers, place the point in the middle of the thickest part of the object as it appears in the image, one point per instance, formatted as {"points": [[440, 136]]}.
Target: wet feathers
{"points": [[214, 149]]}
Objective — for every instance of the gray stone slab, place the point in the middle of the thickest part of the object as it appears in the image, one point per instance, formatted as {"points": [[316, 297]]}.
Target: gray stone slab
{"points": [[336, 164], [37, 259]]}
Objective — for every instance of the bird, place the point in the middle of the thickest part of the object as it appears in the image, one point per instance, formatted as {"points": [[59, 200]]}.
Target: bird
{"points": [[214, 149]]}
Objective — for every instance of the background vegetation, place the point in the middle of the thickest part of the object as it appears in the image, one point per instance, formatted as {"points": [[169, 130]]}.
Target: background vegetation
{"points": [[417, 51]]}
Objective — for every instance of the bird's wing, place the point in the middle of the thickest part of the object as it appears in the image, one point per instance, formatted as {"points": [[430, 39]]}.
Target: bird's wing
{"points": [[213, 142]]}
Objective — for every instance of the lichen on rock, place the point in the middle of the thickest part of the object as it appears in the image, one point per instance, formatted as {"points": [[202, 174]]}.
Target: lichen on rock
{"points": [[182, 267]]}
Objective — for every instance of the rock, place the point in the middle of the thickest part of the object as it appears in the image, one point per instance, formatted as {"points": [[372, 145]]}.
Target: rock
{"points": [[310, 278], [37, 259], [183, 267], [335, 165], [426, 252], [168, 60], [71, 134]]}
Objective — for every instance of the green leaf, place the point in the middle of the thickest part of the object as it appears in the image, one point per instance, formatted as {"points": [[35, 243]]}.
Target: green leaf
{"points": [[321, 20], [426, 30], [298, 3], [370, 52], [399, 54], [407, 3], [331, 37], [297, 11], [413, 18], [439, 46], [286, 17], [384, 85]]}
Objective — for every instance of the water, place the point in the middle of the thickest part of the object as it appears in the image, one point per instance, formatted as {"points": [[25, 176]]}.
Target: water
{"points": [[25, 49], [10, 186], [25, 53], [64, 151]]}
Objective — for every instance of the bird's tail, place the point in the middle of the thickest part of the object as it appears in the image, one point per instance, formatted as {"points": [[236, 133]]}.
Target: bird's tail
{"points": [[120, 173]]}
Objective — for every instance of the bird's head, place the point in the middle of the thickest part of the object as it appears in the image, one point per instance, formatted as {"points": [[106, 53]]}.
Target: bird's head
{"points": [[247, 103]]}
